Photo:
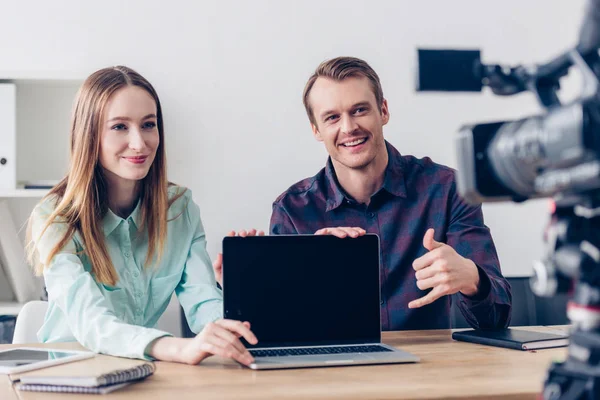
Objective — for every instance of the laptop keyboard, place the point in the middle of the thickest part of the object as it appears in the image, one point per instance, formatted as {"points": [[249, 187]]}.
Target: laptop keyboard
{"points": [[304, 351]]}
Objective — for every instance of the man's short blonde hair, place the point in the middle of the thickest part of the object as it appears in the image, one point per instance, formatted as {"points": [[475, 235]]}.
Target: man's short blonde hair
{"points": [[338, 69]]}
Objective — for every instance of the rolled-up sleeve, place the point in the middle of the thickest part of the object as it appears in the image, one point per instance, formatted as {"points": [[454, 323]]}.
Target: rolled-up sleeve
{"points": [[471, 238]]}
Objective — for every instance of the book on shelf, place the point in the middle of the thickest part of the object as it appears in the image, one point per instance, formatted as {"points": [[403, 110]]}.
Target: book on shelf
{"points": [[43, 184], [13, 260], [6, 293]]}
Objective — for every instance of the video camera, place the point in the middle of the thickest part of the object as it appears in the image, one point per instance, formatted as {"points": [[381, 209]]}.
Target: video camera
{"points": [[555, 154]]}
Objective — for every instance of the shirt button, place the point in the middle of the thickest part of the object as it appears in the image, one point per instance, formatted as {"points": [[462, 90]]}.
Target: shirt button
{"points": [[126, 254], [138, 293], [381, 302], [136, 274], [371, 215]]}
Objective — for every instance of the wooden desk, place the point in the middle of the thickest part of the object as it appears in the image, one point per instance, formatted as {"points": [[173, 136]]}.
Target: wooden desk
{"points": [[448, 369]]}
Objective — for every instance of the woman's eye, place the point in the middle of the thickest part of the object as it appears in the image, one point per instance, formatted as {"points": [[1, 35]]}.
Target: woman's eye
{"points": [[149, 125], [119, 127]]}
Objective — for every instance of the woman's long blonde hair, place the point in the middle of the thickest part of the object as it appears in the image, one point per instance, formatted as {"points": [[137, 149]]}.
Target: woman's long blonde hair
{"points": [[81, 197]]}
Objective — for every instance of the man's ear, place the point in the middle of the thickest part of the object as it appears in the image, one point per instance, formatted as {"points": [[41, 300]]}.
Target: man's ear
{"points": [[316, 132], [385, 113]]}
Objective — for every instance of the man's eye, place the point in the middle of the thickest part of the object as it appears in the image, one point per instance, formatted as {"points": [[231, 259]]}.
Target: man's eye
{"points": [[119, 127], [360, 110], [330, 118]]}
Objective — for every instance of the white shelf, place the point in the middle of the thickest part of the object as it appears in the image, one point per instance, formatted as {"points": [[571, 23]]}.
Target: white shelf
{"points": [[30, 193], [11, 308], [43, 76]]}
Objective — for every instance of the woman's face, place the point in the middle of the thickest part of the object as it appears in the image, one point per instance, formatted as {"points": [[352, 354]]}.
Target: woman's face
{"points": [[129, 134]]}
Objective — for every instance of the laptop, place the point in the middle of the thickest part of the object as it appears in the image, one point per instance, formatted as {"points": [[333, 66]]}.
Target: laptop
{"points": [[312, 301]]}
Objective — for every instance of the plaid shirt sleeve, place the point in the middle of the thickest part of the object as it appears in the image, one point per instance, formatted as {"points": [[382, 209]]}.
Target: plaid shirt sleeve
{"points": [[281, 223], [471, 238]]}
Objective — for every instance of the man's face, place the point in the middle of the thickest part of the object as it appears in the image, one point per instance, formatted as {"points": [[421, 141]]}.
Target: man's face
{"points": [[348, 121]]}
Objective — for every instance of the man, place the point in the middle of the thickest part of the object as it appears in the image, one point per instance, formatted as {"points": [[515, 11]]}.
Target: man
{"points": [[433, 244]]}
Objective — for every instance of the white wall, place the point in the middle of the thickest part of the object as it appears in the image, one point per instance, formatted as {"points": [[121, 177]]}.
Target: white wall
{"points": [[230, 75]]}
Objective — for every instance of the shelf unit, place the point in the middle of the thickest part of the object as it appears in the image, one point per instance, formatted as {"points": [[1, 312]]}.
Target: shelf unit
{"points": [[42, 105], [23, 193]]}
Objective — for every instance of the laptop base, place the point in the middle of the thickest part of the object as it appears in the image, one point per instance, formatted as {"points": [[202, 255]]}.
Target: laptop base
{"points": [[334, 360]]}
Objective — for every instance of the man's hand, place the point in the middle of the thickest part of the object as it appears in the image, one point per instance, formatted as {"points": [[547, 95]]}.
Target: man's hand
{"points": [[218, 263], [444, 271], [342, 232]]}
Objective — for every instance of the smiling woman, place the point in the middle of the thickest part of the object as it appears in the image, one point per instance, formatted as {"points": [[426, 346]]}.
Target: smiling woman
{"points": [[129, 140], [114, 239]]}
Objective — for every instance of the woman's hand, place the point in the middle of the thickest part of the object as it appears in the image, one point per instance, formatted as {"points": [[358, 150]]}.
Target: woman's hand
{"points": [[219, 338]]}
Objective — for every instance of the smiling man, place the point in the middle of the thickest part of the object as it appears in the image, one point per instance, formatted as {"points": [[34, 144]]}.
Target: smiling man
{"points": [[433, 244]]}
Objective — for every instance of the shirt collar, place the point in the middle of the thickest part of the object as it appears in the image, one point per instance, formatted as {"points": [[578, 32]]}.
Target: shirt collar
{"points": [[335, 193], [393, 181], [111, 221]]}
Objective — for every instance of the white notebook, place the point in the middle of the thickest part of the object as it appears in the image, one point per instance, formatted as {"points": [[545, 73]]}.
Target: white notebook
{"points": [[70, 389], [98, 375]]}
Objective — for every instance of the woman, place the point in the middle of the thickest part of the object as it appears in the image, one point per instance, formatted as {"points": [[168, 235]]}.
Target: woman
{"points": [[114, 239]]}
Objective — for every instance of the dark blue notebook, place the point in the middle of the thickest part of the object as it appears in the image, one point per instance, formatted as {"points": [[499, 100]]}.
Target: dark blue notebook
{"points": [[513, 339]]}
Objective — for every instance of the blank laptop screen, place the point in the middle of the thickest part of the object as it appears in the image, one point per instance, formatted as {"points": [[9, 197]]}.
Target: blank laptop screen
{"points": [[303, 290]]}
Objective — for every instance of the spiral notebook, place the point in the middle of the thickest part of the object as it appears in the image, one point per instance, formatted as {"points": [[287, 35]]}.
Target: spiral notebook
{"points": [[27, 387], [98, 375]]}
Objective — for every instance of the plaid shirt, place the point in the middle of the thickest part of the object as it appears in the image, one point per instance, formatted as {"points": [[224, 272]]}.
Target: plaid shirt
{"points": [[417, 194]]}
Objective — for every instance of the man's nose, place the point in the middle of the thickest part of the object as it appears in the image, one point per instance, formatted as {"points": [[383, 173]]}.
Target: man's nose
{"points": [[348, 124]]}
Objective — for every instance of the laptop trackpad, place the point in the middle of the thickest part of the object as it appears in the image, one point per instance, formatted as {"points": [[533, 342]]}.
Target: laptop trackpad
{"points": [[314, 359]]}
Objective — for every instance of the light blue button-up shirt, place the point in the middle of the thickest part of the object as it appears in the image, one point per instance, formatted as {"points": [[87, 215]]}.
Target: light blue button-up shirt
{"points": [[120, 320]]}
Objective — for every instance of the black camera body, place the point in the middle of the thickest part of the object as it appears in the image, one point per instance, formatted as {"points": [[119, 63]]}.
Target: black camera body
{"points": [[555, 154], [533, 157], [538, 156]]}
